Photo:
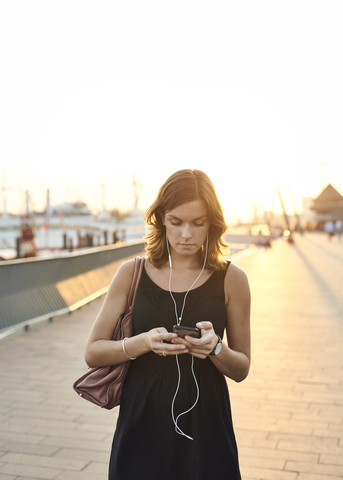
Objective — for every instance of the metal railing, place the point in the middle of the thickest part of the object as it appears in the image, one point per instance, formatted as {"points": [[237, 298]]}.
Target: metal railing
{"points": [[34, 289]]}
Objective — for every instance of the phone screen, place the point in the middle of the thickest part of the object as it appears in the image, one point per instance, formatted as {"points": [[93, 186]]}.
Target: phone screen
{"points": [[182, 331]]}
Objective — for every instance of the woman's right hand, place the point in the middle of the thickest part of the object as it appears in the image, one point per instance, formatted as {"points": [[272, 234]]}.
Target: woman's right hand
{"points": [[158, 341]]}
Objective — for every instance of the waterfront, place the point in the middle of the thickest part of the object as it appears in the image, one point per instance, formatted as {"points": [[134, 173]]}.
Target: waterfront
{"points": [[57, 235], [53, 234], [287, 414]]}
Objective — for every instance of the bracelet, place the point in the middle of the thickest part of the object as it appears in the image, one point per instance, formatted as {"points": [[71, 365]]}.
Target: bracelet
{"points": [[123, 345]]}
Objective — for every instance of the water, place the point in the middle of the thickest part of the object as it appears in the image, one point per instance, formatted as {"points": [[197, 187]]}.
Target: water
{"points": [[48, 237]]}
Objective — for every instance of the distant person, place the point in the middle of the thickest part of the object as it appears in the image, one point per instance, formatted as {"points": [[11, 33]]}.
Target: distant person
{"points": [[329, 228], [175, 419], [339, 228]]}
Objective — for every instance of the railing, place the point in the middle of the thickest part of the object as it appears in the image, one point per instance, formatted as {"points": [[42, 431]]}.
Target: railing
{"points": [[37, 289]]}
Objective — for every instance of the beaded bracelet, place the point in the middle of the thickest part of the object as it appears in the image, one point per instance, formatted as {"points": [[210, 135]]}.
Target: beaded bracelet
{"points": [[123, 345]]}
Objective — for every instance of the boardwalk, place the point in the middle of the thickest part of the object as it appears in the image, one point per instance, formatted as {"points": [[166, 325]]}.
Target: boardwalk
{"points": [[288, 413]]}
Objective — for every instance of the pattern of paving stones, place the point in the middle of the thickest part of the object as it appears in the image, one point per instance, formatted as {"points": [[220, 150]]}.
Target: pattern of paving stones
{"points": [[288, 413]]}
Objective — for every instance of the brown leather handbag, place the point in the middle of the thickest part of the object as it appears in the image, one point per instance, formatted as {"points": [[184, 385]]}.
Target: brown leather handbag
{"points": [[103, 385]]}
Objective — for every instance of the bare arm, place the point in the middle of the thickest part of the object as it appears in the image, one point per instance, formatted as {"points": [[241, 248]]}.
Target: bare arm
{"points": [[101, 350], [234, 358]]}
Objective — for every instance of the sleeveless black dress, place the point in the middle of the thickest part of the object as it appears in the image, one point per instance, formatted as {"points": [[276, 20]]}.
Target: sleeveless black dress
{"points": [[145, 444]]}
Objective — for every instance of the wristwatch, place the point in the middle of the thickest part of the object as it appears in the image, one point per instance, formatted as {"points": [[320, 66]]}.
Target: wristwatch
{"points": [[218, 348]]}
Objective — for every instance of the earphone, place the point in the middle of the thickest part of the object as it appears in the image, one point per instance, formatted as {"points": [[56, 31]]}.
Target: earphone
{"points": [[178, 320]]}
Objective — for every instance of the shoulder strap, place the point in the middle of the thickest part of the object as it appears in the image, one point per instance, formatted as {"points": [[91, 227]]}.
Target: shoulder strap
{"points": [[137, 273]]}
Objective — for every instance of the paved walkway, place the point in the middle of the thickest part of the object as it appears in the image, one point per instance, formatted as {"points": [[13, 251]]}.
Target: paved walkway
{"points": [[288, 413]]}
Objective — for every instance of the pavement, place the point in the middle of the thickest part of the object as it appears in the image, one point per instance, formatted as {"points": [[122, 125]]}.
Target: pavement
{"points": [[288, 413]]}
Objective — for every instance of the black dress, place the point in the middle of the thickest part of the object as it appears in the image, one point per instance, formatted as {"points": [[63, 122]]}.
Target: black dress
{"points": [[145, 444]]}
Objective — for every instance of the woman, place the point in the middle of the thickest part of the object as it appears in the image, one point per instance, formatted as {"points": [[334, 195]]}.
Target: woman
{"points": [[175, 417]]}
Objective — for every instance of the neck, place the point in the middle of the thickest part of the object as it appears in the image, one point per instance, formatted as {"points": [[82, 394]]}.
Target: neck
{"points": [[185, 263]]}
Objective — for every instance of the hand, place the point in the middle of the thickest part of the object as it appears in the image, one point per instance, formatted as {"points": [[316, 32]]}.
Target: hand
{"points": [[156, 338], [200, 347]]}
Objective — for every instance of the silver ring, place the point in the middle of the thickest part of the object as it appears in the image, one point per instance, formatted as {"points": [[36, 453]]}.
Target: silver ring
{"points": [[164, 353]]}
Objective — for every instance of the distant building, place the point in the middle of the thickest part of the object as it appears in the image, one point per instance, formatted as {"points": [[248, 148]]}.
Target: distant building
{"points": [[328, 205], [307, 206], [74, 208]]}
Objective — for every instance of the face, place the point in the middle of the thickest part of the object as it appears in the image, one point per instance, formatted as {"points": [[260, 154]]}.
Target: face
{"points": [[187, 226]]}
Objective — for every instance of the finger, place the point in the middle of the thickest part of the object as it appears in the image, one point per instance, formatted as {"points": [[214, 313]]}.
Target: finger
{"points": [[160, 330], [175, 349], [169, 350], [165, 336], [198, 353], [204, 325], [198, 342]]}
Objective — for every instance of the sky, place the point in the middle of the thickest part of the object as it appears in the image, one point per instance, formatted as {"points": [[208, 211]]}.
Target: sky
{"points": [[93, 93]]}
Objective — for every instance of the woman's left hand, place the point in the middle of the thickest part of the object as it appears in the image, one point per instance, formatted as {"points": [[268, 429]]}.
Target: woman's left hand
{"points": [[200, 347]]}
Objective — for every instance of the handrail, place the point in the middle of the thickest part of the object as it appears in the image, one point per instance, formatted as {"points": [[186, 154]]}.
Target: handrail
{"points": [[43, 287]]}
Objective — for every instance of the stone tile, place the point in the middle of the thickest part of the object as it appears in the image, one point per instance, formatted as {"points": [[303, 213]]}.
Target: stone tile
{"points": [[83, 454], [257, 473], [332, 459], [315, 468], [30, 448], [29, 470], [288, 414], [64, 442], [313, 476], [97, 468], [284, 455], [45, 461], [80, 476]]}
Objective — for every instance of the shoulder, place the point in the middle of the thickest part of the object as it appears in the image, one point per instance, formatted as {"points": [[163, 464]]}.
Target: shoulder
{"points": [[123, 276], [234, 272], [236, 281], [126, 268]]}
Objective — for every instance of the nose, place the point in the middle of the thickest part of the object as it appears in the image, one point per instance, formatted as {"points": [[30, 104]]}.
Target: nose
{"points": [[186, 232]]}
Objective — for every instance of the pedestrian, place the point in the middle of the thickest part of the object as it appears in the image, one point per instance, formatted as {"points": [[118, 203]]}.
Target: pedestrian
{"points": [[339, 228], [329, 228], [175, 419]]}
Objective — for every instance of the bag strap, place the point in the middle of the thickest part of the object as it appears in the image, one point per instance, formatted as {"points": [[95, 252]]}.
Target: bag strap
{"points": [[137, 273]]}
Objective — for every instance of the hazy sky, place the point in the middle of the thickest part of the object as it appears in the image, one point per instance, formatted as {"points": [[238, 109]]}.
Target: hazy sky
{"points": [[92, 93]]}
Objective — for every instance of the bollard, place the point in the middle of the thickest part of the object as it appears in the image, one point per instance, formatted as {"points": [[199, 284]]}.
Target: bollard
{"points": [[89, 240], [79, 239], [17, 246]]}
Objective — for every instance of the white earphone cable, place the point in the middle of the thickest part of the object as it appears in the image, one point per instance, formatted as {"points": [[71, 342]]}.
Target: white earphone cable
{"points": [[178, 320]]}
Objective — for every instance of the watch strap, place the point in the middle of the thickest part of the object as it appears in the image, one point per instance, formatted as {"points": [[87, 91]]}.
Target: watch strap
{"points": [[214, 351]]}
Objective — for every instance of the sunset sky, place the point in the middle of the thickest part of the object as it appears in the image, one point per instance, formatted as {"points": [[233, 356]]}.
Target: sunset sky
{"points": [[92, 93]]}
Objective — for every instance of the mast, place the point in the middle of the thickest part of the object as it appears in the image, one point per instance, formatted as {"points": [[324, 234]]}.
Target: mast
{"points": [[285, 216]]}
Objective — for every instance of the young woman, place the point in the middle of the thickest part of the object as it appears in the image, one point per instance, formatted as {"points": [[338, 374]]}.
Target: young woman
{"points": [[175, 418]]}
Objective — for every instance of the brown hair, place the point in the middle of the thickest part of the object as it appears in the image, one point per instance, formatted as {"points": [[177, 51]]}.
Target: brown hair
{"points": [[182, 187]]}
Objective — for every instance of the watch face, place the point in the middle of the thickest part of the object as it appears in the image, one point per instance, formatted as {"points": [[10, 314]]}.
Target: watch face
{"points": [[218, 348]]}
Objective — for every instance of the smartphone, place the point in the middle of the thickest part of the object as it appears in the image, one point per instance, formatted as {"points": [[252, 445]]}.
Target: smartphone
{"points": [[182, 331]]}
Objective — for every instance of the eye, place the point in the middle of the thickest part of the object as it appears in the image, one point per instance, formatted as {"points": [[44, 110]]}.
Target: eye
{"points": [[199, 224], [175, 223]]}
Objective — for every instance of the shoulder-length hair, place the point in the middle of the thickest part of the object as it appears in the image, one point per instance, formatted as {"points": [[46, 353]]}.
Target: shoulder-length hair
{"points": [[182, 187]]}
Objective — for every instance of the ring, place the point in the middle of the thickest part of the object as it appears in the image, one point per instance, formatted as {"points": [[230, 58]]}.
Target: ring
{"points": [[164, 353]]}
